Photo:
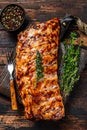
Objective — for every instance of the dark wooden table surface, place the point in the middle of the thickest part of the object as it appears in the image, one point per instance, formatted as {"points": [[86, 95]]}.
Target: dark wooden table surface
{"points": [[76, 106]]}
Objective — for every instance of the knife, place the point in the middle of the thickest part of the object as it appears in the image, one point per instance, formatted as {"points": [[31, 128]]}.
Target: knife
{"points": [[65, 23]]}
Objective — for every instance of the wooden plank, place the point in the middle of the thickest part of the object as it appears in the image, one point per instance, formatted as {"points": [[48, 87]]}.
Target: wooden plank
{"points": [[40, 11]]}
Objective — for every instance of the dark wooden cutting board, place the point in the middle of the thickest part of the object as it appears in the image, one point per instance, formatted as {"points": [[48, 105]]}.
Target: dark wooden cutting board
{"points": [[76, 106]]}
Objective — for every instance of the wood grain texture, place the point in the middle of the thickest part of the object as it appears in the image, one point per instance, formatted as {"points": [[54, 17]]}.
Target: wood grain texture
{"points": [[42, 9], [76, 107], [13, 96]]}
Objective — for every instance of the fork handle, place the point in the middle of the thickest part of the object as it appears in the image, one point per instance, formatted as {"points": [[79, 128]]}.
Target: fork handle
{"points": [[13, 96]]}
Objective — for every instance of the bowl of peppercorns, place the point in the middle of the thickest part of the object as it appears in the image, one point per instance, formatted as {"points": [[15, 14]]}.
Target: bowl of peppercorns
{"points": [[12, 17]]}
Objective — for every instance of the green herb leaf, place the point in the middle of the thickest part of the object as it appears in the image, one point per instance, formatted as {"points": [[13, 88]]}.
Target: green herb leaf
{"points": [[39, 67], [70, 66]]}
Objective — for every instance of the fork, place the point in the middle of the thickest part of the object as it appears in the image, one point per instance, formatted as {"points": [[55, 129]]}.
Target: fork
{"points": [[10, 68]]}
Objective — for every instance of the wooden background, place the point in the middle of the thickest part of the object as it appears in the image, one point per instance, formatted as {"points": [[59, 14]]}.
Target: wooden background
{"points": [[76, 107]]}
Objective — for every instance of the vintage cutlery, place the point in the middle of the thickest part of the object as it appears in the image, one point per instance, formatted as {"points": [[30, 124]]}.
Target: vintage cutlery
{"points": [[10, 68]]}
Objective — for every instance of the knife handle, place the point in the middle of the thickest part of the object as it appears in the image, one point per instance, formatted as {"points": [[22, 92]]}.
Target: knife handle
{"points": [[13, 96]]}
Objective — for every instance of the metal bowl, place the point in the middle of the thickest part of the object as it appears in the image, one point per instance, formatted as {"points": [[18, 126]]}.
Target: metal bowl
{"points": [[12, 17]]}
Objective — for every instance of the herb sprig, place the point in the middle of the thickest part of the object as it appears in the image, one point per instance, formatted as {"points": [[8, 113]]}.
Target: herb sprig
{"points": [[39, 67], [70, 65]]}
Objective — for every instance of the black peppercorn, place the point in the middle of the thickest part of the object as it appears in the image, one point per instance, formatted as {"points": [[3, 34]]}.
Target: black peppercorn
{"points": [[12, 17]]}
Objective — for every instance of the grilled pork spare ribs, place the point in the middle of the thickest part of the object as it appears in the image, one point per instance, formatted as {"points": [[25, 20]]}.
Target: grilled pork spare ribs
{"points": [[36, 71]]}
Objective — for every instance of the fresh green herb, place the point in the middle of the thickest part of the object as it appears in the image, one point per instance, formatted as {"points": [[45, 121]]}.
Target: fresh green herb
{"points": [[70, 65], [39, 67]]}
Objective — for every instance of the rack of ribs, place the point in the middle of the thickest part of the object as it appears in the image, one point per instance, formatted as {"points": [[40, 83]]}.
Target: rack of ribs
{"points": [[36, 71]]}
